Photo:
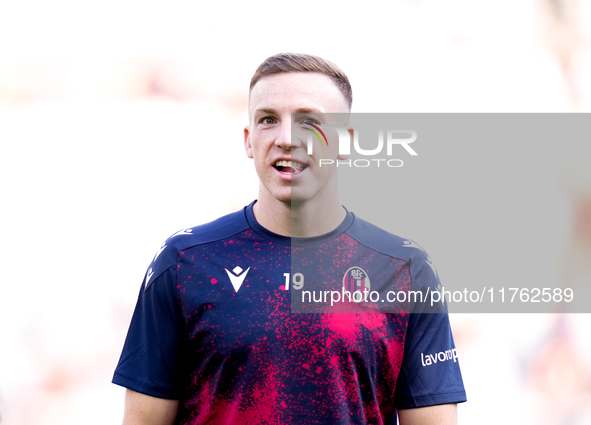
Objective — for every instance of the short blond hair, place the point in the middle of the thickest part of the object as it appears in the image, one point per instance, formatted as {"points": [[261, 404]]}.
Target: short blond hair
{"points": [[299, 62]]}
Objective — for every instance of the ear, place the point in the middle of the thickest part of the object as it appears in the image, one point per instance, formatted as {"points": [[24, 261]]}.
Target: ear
{"points": [[351, 132], [247, 145]]}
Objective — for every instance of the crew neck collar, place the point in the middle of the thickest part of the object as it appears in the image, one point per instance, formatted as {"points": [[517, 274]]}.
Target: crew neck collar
{"points": [[299, 242]]}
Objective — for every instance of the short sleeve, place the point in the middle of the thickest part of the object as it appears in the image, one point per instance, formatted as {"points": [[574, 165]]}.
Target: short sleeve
{"points": [[430, 372], [150, 359]]}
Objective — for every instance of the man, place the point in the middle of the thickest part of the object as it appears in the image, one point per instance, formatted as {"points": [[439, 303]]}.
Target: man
{"points": [[213, 338]]}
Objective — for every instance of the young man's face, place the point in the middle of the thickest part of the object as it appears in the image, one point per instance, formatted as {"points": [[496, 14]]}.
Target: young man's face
{"points": [[268, 136]]}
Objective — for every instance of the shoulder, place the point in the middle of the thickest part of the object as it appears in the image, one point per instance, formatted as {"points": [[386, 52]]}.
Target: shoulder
{"points": [[421, 266], [167, 255], [221, 228]]}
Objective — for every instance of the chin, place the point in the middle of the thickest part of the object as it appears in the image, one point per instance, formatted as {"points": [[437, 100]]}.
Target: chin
{"points": [[283, 196], [299, 197]]}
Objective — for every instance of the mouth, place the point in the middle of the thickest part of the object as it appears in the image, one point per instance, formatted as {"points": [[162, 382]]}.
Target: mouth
{"points": [[290, 167]]}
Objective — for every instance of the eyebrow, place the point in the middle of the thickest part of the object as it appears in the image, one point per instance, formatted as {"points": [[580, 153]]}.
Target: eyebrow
{"points": [[269, 111], [308, 111], [272, 111]]}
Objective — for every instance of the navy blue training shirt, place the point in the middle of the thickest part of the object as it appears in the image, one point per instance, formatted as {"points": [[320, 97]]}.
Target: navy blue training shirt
{"points": [[214, 328]]}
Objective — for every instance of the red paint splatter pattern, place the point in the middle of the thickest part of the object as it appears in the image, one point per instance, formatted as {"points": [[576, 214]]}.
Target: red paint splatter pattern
{"points": [[250, 360]]}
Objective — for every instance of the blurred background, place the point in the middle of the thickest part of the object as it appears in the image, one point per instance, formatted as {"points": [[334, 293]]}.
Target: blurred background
{"points": [[122, 122]]}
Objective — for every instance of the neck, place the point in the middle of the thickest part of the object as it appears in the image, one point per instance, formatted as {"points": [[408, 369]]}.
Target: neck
{"points": [[301, 219]]}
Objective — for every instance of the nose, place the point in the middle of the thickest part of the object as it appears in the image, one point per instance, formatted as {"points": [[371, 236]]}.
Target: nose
{"points": [[284, 139]]}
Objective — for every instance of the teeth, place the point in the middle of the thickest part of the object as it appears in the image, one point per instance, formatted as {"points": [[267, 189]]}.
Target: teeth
{"points": [[295, 166]]}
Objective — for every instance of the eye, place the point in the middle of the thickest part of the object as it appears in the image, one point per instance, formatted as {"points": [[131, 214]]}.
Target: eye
{"points": [[310, 121], [268, 120]]}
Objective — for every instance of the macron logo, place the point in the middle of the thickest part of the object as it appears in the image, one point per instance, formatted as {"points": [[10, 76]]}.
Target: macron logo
{"points": [[237, 276], [440, 357], [148, 277], [411, 244]]}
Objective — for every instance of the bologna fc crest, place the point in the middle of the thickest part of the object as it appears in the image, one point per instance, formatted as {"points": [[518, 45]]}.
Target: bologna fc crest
{"points": [[356, 279]]}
